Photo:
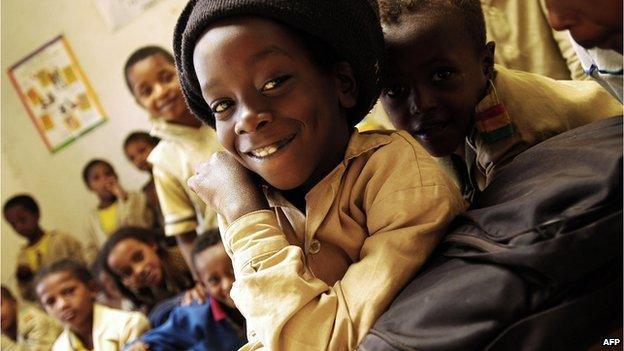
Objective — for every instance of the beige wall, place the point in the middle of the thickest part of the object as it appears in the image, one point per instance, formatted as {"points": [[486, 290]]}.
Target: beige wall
{"points": [[27, 166]]}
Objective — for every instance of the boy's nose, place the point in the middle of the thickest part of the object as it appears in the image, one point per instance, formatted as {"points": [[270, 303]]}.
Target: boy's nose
{"points": [[252, 121], [420, 102]]}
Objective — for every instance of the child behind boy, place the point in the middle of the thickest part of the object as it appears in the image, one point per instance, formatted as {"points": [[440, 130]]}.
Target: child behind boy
{"points": [[151, 77], [444, 89], [215, 325], [324, 225], [25, 327], [43, 246], [67, 292], [137, 147], [116, 207]]}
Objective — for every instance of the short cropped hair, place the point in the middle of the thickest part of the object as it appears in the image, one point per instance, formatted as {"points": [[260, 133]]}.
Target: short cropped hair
{"points": [[74, 268], [87, 169], [24, 200], [392, 12], [209, 239], [143, 53], [140, 136]]}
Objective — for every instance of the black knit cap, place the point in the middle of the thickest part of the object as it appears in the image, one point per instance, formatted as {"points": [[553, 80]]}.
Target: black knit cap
{"points": [[350, 27]]}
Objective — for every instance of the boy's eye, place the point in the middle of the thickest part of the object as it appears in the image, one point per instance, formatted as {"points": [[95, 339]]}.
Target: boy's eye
{"points": [[145, 91], [274, 83], [396, 91], [213, 281], [441, 75], [68, 291], [49, 302], [166, 76], [221, 106]]}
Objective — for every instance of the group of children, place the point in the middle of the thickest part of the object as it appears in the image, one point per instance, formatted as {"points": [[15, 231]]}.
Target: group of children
{"points": [[321, 225]]}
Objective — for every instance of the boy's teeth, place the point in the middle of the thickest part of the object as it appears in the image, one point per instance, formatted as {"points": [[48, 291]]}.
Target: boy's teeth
{"points": [[265, 151]]}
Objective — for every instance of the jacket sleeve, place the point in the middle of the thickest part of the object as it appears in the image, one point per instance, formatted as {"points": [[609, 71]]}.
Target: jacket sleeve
{"points": [[175, 204], [281, 299], [136, 325], [179, 332]]}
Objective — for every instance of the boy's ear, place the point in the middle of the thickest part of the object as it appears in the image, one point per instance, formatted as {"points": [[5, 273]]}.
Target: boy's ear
{"points": [[488, 59], [93, 287], [346, 84]]}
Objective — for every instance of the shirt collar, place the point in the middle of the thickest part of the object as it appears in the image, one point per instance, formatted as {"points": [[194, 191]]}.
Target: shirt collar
{"points": [[492, 121], [218, 312], [164, 130]]}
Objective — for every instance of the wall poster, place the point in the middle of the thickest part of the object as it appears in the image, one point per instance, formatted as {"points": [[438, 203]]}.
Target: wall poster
{"points": [[56, 94]]}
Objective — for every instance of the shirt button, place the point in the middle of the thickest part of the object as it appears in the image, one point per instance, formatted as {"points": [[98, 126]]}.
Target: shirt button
{"points": [[315, 246]]}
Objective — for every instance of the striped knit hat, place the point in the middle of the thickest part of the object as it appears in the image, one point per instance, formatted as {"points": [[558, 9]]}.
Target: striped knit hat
{"points": [[350, 27]]}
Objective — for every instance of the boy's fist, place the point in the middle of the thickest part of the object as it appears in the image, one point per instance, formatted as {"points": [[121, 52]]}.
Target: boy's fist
{"points": [[227, 186]]}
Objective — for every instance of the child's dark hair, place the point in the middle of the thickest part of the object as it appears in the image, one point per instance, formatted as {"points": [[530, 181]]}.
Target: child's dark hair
{"points": [[392, 12], [6, 293], [140, 136], [143, 53], [24, 200], [76, 269], [209, 239], [95, 162]]}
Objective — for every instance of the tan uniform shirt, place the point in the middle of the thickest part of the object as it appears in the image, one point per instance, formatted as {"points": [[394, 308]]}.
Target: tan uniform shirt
{"points": [[112, 329], [36, 331], [538, 108], [174, 160], [131, 212], [320, 280], [525, 41]]}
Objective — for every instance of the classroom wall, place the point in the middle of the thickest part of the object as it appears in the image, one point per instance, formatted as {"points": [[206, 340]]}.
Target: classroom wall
{"points": [[27, 165]]}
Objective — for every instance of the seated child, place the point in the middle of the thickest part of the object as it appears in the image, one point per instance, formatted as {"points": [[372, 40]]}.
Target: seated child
{"points": [[215, 325], [137, 147], [444, 89], [43, 246], [151, 78], [144, 270], [324, 225], [108, 292], [116, 207], [67, 292], [25, 327]]}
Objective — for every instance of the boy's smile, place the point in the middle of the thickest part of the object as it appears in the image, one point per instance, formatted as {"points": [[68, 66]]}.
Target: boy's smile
{"points": [[276, 111], [436, 78]]}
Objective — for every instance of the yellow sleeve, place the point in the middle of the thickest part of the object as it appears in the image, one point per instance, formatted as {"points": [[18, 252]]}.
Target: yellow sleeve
{"points": [[287, 308], [175, 204], [39, 331]]}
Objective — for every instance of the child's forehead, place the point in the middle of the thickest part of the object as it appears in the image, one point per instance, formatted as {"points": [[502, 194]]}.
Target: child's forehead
{"points": [[56, 280]]}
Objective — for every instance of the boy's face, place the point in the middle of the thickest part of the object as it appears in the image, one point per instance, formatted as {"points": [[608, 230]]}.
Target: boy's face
{"points": [[276, 111], [24, 222], [156, 88], [66, 298], [100, 180], [436, 78], [596, 23], [137, 153], [136, 263], [9, 313], [214, 269]]}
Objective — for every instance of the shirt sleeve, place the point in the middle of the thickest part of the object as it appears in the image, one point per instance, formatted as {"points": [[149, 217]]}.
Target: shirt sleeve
{"points": [[136, 326], [39, 330], [175, 204], [281, 299]]}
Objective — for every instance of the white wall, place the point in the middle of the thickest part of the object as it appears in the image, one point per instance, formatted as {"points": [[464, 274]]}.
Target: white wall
{"points": [[27, 165]]}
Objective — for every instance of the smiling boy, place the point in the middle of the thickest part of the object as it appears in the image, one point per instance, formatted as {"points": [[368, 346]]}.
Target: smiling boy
{"points": [[324, 224]]}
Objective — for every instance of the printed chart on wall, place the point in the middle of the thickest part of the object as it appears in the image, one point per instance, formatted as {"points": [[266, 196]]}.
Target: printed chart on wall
{"points": [[56, 94]]}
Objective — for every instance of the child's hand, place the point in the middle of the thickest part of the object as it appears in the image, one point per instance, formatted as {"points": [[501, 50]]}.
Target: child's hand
{"points": [[197, 293], [115, 188], [137, 346], [228, 187]]}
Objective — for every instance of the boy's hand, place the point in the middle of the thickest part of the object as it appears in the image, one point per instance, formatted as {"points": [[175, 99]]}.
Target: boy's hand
{"points": [[227, 186], [115, 188], [137, 346], [197, 293]]}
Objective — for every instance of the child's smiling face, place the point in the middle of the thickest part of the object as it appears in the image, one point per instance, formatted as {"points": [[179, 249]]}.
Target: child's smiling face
{"points": [[436, 78], [276, 111], [136, 263], [67, 298]]}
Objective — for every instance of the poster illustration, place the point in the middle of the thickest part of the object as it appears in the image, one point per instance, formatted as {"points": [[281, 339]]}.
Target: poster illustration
{"points": [[56, 94]]}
